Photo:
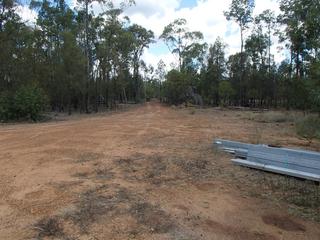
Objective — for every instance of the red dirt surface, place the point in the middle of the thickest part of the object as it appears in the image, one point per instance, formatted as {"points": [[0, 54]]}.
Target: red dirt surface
{"points": [[146, 173]]}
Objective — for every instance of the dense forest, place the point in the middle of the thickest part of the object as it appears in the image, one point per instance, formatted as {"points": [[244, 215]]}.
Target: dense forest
{"points": [[76, 60]]}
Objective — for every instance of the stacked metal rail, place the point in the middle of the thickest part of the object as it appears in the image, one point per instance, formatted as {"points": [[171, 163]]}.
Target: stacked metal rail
{"points": [[292, 162]]}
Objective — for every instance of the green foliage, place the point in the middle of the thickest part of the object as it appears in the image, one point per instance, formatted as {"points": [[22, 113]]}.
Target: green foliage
{"points": [[300, 95], [256, 47], [175, 87], [87, 61], [315, 99], [213, 72], [301, 30], [185, 44], [27, 102], [314, 86], [240, 11], [142, 38], [226, 92], [309, 127], [6, 106], [152, 89]]}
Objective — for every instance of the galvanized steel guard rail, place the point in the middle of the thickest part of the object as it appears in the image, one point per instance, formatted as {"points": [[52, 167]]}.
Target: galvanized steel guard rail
{"points": [[292, 162]]}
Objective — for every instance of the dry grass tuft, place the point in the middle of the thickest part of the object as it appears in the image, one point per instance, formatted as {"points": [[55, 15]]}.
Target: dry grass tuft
{"points": [[49, 227], [152, 217], [88, 157], [273, 117], [91, 206]]}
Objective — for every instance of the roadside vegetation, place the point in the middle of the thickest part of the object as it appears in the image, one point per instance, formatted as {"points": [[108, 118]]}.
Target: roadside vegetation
{"points": [[309, 127], [78, 60]]}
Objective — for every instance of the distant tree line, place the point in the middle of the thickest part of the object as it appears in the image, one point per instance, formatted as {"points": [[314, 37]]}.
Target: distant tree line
{"points": [[251, 77], [76, 60], [70, 59]]}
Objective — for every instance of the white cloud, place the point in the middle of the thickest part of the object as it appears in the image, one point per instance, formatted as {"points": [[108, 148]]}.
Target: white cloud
{"points": [[27, 15], [207, 16], [153, 59]]}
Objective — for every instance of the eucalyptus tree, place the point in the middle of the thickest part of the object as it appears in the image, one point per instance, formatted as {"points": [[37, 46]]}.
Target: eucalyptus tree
{"points": [[89, 22], [241, 12], [268, 19], [109, 35], [13, 36], [237, 68], [160, 75], [86, 17], [161, 70], [56, 40], [301, 20], [7, 12], [257, 81], [142, 38], [180, 41], [256, 48], [293, 32], [214, 71]]}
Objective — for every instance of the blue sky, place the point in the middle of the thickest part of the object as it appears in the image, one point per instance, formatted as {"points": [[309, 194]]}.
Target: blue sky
{"points": [[187, 4]]}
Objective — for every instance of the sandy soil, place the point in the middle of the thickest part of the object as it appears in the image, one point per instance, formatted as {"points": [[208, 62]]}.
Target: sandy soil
{"points": [[146, 173]]}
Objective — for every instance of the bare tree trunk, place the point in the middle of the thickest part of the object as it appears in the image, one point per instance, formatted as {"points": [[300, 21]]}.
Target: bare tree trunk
{"points": [[242, 68], [69, 105], [96, 94], [87, 97], [107, 89], [136, 80], [125, 96]]}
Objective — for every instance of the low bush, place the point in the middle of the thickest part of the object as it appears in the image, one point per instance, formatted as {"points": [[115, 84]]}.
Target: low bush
{"points": [[6, 106], [26, 103], [29, 102], [175, 87], [309, 127]]}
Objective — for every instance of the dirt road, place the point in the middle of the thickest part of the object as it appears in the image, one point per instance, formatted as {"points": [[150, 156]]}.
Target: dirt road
{"points": [[146, 173]]}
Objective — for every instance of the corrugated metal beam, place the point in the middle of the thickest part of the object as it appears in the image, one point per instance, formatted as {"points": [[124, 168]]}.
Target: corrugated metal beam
{"points": [[270, 168], [294, 162]]}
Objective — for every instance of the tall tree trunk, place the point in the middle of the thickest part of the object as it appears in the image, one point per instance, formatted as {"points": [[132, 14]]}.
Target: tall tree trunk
{"points": [[242, 68], [125, 96], [136, 79], [69, 104], [87, 56], [107, 89], [96, 94]]}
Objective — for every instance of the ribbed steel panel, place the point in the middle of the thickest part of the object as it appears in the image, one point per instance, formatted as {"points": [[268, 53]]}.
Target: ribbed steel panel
{"points": [[284, 171], [293, 162]]}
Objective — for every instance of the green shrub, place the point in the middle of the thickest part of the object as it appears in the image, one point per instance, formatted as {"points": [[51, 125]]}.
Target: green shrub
{"points": [[29, 102], [26, 103], [6, 106], [226, 92], [175, 87], [309, 127], [315, 99]]}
